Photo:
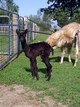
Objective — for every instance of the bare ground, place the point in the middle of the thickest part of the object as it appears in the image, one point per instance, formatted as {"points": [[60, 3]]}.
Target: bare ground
{"points": [[20, 96]]}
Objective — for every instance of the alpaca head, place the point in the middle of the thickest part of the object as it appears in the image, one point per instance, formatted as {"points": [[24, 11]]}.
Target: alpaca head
{"points": [[22, 35]]}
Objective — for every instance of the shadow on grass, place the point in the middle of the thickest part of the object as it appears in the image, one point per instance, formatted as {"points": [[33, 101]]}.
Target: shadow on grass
{"points": [[43, 70], [53, 59], [57, 59]]}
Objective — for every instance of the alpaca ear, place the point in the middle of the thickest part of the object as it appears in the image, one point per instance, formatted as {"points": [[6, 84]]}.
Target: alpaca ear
{"points": [[26, 31], [17, 31]]}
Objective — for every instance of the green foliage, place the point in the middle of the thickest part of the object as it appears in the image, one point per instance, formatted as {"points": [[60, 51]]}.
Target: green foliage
{"points": [[68, 5], [42, 21], [64, 11], [76, 17], [64, 85], [3, 20], [61, 16], [12, 6]]}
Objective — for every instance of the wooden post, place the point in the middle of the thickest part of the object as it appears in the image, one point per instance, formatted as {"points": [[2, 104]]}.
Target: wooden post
{"points": [[26, 25], [15, 38], [33, 29]]}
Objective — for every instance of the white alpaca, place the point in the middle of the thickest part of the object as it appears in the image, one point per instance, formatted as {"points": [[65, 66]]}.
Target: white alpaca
{"points": [[64, 38]]}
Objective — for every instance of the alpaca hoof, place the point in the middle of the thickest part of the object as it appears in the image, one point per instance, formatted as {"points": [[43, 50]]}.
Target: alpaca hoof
{"points": [[33, 78], [46, 76], [70, 61], [74, 65], [37, 78], [51, 70], [49, 78], [61, 62]]}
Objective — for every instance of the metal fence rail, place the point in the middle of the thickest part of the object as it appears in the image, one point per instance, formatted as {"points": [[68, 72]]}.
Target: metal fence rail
{"points": [[8, 38], [9, 43]]}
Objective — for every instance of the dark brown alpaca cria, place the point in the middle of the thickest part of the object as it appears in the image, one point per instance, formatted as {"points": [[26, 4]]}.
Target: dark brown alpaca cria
{"points": [[31, 51]]}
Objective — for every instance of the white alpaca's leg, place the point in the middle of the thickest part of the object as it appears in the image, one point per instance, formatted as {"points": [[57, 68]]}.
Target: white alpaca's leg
{"points": [[62, 55], [69, 57], [77, 50], [76, 56], [69, 47]]}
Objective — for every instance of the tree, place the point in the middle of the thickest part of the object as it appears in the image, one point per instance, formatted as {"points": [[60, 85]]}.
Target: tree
{"points": [[7, 4], [68, 5], [3, 13], [61, 17], [12, 6], [62, 10], [41, 20], [3, 4]]}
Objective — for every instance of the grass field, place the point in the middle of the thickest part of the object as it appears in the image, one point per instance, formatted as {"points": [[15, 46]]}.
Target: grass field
{"points": [[4, 42], [64, 85]]}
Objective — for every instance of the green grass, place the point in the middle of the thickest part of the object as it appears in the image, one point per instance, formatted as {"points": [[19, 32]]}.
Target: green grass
{"points": [[4, 39], [4, 42], [40, 37], [64, 85]]}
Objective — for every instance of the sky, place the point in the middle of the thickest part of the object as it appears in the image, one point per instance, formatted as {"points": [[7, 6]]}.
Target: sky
{"points": [[30, 7]]}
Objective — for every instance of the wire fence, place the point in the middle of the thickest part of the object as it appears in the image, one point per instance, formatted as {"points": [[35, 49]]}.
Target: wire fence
{"points": [[9, 43]]}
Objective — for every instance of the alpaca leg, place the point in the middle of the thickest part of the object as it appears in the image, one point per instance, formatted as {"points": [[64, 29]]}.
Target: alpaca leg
{"points": [[34, 68], [48, 65], [62, 55], [76, 60], [76, 56], [36, 73], [69, 57], [32, 71], [69, 52], [77, 50]]}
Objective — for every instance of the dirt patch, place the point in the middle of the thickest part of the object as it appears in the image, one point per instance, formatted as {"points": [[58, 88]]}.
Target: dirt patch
{"points": [[3, 58], [20, 96]]}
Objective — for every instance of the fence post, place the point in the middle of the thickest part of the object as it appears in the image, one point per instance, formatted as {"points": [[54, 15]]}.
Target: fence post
{"points": [[26, 25], [15, 38], [33, 34], [35, 28]]}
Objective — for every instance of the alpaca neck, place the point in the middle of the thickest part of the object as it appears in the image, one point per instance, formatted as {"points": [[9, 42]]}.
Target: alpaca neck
{"points": [[24, 44]]}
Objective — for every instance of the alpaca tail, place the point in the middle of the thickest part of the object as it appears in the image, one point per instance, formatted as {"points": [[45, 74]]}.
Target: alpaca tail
{"points": [[76, 41]]}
